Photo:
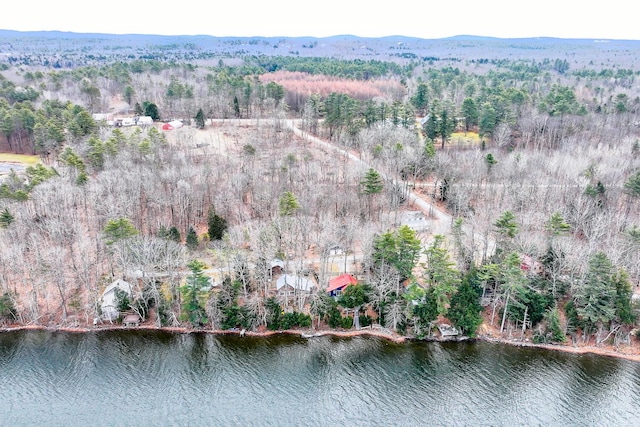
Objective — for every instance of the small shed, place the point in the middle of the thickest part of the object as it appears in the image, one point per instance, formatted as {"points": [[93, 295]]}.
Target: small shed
{"points": [[277, 267], [338, 284], [131, 319]]}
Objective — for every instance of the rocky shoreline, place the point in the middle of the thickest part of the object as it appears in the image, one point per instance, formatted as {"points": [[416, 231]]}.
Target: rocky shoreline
{"points": [[627, 352]]}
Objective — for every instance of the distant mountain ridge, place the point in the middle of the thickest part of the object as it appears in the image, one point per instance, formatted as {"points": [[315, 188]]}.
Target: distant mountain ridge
{"points": [[66, 48], [71, 34], [57, 33]]}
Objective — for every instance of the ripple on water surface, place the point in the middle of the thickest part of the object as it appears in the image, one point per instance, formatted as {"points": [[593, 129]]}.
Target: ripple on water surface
{"points": [[200, 379]]}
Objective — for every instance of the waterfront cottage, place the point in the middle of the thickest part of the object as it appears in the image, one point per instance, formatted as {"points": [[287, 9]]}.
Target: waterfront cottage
{"points": [[109, 304], [289, 285], [338, 284]]}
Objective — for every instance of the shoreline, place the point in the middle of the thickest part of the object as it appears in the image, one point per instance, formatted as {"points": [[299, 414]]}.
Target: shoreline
{"points": [[565, 348], [303, 333], [309, 334]]}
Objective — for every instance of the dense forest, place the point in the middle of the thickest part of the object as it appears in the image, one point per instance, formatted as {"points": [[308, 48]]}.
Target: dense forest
{"points": [[536, 161]]}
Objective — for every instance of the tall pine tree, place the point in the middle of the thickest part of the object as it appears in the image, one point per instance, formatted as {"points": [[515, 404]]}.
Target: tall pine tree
{"points": [[217, 225]]}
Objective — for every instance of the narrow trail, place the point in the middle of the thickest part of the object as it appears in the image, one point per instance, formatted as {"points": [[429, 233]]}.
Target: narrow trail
{"points": [[443, 220]]}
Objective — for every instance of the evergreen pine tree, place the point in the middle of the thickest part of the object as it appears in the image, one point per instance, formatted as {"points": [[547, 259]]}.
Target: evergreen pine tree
{"points": [[217, 225], [5, 218], [288, 204], [200, 119], [196, 281], [192, 239], [174, 234], [465, 309]]}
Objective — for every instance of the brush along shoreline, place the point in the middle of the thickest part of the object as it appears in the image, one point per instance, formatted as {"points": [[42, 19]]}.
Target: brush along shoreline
{"points": [[622, 352]]}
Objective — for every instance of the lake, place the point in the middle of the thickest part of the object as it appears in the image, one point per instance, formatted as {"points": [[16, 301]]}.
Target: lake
{"points": [[125, 378]]}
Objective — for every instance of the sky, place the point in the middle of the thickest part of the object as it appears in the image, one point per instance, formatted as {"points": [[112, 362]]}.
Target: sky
{"points": [[611, 19]]}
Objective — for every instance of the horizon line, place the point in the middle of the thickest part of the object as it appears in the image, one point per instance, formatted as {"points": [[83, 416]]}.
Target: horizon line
{"points": [[458, 36]]}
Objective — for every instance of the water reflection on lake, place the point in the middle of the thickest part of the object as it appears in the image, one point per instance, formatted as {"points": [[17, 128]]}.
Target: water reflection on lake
{"points": [[159, 378]]}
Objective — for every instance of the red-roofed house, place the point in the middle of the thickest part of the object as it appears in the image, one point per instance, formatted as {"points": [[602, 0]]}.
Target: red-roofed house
{"points": [[337, 284], [530, 265], [173, 124]]}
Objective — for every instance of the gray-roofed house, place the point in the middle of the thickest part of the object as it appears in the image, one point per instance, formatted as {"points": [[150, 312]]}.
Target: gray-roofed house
{"points": [[289, 285]]}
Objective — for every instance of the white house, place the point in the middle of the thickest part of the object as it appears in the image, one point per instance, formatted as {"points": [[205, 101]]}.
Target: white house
{"points": [[109, 304], [288, 284], [143, 120]]}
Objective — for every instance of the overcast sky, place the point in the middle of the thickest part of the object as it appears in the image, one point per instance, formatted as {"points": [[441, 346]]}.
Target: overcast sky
{"points": [[612, 19]]}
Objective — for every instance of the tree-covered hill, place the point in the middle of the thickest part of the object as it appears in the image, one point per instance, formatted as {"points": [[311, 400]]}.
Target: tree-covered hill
{"points": [[65, 49]]}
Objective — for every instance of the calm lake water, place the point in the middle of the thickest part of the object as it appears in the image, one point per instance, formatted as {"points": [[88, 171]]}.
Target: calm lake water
{"points": [[157, 378]]}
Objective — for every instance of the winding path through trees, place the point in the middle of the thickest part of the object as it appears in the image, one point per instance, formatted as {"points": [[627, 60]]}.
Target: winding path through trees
{"points": [[442, 220]]}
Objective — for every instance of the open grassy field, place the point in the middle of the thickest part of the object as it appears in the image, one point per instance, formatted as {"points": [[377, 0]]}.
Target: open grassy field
{"points": [[19, 158], [465, 139]]}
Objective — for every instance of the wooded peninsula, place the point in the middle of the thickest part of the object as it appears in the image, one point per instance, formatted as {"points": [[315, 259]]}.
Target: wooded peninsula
{"points": [[459, 187]]}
